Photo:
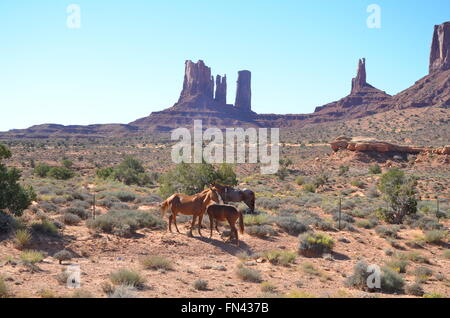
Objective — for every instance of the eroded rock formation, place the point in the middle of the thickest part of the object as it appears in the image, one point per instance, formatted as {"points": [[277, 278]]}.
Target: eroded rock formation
{"points": [[221, 89], [360, 80], [440, 48], [369, 144], [244, 91], [198, 83]]}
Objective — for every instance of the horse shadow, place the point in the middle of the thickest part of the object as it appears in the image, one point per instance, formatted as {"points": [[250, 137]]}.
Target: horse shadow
{"points": [[227, 247]]}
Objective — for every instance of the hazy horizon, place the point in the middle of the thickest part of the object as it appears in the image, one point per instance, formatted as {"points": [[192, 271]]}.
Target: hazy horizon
{"points": [[127, 58]]}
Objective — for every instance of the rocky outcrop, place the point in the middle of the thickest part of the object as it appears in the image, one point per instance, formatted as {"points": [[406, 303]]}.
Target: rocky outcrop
{"points": [[363, 100], [373, 145], [359, 82], [440, 48], [198, 85], [244, 91], [221, 90]]}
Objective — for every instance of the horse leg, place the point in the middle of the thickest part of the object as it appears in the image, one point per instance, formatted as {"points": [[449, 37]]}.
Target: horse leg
{"points": [[211, 224], [200, 218], [170, 223], [175, 223], [192, 225]]}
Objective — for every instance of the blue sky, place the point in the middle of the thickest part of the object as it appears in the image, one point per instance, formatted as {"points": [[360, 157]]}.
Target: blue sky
{"points": [[127, 59]]}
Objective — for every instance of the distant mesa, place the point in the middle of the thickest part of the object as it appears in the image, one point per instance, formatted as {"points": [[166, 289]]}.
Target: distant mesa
{"points": [[204, 97]]}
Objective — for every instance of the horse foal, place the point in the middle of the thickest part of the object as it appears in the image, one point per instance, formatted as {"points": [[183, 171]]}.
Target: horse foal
{"points": [[218, 212]]}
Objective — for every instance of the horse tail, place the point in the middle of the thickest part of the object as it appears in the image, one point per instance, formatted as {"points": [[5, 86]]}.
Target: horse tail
{"points": [[241, 222]]}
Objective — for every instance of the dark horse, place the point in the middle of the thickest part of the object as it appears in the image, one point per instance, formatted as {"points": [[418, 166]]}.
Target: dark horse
{"points": [[218, 212], [230, 194]]}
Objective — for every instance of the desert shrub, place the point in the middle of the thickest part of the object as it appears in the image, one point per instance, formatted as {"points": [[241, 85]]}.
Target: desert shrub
{"points": [[291, 225], [267, 287], [8, 222], [387, 231], [259, 219], [280, 257], [357, 183], [308, 187], [391, 281], [375, 169], [299, 294], [125, 222], [367, 224], [82, 213], [248, 274], [22, 238], [41, 170], [422, 273], [4, 290], [193, 178], [435, 236], [325, 225], [127, 277], [433, 295], [201, 284], [59, 200], [314, 244], [446, 254], [70, 219], [123, 291], [425, 223], [105, 173], [31, 256], [343, 170], [414, 257], [320, 180], [268, 203], [399, 192], [80, 204], [63, 255], [46, 227], [48, 207], [261, 231], [344, 217], [60, 173], [300, 180], [372, 192], [125, 196], [156, 262], [13, 197], [414, 289], [398, 265], [359, 277]]}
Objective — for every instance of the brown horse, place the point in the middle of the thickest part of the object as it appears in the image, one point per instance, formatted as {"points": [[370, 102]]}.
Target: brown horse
{"points": [[194, 205], [218, 212], [230, 194]]}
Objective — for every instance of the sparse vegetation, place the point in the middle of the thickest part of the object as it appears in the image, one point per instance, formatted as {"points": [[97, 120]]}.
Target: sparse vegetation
{"points": [[313, 244], [127, 277]]}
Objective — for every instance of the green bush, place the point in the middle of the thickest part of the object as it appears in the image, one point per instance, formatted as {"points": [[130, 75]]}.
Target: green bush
{"points": [[13, 196], [343, 170], [399, 192], [31, 256], [397, 265], [300, 180], [279, 257], [60, 173], [125, 222], [193, 178], [41, 170], [309, 188], [105, 173], [70, 219], [259, 219], [375, 169], [359, 277], [391, 281], [127, 277], [22, 238], [125, 196], [314, 244], [248, 274], [129, 171], [46, 227], [387, 231]]}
